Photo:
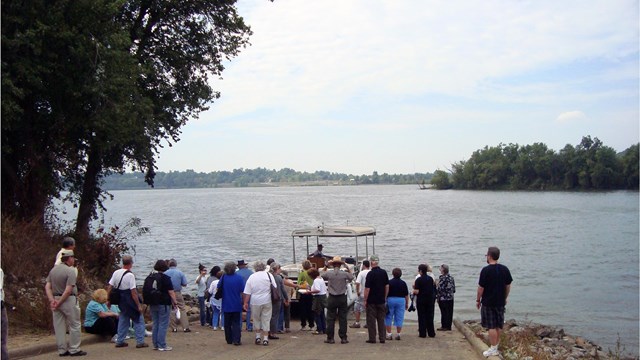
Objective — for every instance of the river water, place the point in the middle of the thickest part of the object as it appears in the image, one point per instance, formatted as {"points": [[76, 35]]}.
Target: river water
{"points": [[573, 256]]}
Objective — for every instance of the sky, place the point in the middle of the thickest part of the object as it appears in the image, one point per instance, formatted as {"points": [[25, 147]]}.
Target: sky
{"points": [[399, 87]]}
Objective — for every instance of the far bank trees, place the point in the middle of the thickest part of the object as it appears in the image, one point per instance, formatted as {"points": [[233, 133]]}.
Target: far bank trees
{"points": [[589, 165]]}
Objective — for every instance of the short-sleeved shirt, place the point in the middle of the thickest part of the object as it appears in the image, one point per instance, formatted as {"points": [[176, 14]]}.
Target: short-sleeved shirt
{"points": [[337, 280], [128, 281], [213, 288], [494, 278], [426, 289], [304, 277], [318, 284], [362, 280], [202, 286], [377, 280], [60, 276], [398, 288], [259, 287], [92, 312], [178, 279]]}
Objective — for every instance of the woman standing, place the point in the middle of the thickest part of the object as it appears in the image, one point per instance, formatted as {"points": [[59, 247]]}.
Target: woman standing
{"points": [[201, 282], [276, 305], [306, 299], [208, 298], [98, 319], [446, 289], [398, 302], [217, 318], [257, 291], [425, 290], [231, 285], [161, 312], [319, 293]]}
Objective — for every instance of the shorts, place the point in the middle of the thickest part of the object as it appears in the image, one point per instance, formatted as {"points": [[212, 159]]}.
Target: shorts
{"points": [[492, 317], [358, 306]]}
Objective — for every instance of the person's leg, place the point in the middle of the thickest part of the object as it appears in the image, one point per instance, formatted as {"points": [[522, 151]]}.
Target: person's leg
{"points": [[380, 315], [332, 307], [280, 325], [287, 317], [449, 314], [398, 315], [236, 326], [443, 315], [342, 316], [184, 318], [255, 318], [4, 353], [422, 319], [138, 327], [164, 313], [371, 322], [155, 318], [228, 328], [71, 308], [249, 319], [123, 328], [273, 321], [431, 331], [203, 312], [60, 329]]}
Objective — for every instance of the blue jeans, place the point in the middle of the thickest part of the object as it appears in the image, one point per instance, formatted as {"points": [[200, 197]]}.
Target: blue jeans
{"points": [[218, 317], [232, 327], [321, 322], [160, 316], [281, 318], [203, 312], [396, 311], [249, 324], [123, 327]]}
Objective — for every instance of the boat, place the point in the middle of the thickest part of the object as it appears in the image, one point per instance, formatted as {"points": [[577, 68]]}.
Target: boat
{"points": [[360, 236], [423, 186]]}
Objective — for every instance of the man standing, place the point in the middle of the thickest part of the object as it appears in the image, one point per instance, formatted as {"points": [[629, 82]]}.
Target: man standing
{"points": [[124, 282], [358, 307], [178, 279], [337, 302], [493, 290], [244, 273], [61, 291], [375, 296], [68, 243]]}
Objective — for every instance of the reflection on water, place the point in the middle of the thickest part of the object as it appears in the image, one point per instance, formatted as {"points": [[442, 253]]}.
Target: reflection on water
{"points": [[573, 256]]}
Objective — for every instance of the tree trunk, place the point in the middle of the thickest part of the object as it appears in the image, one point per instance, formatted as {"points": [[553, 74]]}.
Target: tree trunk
{"points": [[90, 194]]}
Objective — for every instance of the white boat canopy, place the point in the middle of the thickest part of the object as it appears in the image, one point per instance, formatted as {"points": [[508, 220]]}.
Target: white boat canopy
{"points": [[337, 232]]}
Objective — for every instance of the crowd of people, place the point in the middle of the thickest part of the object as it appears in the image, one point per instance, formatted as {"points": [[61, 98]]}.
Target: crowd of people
{"points": [[234, 295]]}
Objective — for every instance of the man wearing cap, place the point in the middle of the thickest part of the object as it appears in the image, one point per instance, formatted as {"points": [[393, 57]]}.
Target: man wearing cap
{"points": [[244, 273], [61, 291], [493, 289], [375, 296], [337, 302]]}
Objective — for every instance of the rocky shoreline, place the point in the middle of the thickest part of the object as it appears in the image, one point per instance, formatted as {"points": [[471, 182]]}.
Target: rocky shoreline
{"points": [[531, 341]]}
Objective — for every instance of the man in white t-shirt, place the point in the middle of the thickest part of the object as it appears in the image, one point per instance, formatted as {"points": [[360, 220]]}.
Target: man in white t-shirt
{"points": [[258, 290], [124, 282], [358, 306]]}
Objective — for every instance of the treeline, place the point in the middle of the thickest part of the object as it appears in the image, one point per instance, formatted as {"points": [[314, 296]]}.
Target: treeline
{"points": [[255, 177], [589, 165]]}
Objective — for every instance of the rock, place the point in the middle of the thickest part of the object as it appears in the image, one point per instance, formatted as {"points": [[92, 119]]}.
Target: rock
{"points": [[580, 342]]}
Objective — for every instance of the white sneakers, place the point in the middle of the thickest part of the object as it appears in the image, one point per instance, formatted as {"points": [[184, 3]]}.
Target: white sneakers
{"points": [[168, 348], [491, 352]]}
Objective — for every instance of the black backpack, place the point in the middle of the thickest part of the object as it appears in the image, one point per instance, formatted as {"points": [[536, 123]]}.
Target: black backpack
{"points": [[152, 289]]}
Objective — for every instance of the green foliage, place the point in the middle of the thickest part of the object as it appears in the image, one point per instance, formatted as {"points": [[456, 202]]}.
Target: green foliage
{"points": [[440, 180], [253, 177], [588, 165], [92, 87]]}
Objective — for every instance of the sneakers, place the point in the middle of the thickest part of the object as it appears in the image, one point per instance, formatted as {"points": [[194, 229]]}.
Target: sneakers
{"points": [[147, 333], [389, 337], [215, 328], [398, 337], [187, 330], [124, 344], [166, 348], [114, 338], [491, 352], [355, 325], [222, 328], [303, 328], [265, 342], [258, 341]]}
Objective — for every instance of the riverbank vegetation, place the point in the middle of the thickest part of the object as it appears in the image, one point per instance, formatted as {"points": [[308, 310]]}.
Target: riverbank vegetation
{"points": [[590, 165]]}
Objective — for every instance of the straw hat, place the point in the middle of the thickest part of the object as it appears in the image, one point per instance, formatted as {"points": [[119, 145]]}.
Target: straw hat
{"points": [[337, 260]]}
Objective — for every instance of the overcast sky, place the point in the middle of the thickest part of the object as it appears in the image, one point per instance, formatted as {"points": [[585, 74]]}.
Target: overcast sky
{"points": [[412, 86]]}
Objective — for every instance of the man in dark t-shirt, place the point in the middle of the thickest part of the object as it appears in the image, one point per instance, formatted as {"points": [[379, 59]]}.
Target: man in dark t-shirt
{"points": [[375, 296], [493, 290]]}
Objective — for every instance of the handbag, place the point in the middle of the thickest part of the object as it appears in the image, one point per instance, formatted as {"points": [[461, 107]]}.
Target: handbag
{"points": [[275, 295], [219, 293], [114, 295]]}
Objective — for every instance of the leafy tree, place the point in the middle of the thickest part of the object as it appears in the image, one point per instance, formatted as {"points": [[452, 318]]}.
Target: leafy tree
{"points": [[440, 180], [92, 87]]}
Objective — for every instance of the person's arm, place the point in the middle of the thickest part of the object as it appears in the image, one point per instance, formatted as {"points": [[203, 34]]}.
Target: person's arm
{"points": [[245, 305], [109, 289], [134, 295], [406, 302], [184, 280], [479, 296], [386, 292], [67, 291], [358, 288], [172, 295], [507, 289], [198, 278], [52, 301], [366, 295]]}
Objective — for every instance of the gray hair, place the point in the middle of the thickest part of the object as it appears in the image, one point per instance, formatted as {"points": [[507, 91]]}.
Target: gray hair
{"points": [[444, 268], [259, 266], [229, 268], [173, 263], [68, 241], [274, 266]]}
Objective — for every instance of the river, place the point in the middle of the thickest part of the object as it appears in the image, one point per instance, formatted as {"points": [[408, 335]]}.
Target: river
{"points": [[573, 255]]}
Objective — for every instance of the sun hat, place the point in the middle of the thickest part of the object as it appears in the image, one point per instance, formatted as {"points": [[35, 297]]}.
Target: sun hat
{"points": [[337, 260]]}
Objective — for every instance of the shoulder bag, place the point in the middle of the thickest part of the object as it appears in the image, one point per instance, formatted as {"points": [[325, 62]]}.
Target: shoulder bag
{"points": [[114, 296]]}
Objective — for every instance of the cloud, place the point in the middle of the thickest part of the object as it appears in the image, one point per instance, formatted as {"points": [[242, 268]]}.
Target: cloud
{"points": [[571, 116]]}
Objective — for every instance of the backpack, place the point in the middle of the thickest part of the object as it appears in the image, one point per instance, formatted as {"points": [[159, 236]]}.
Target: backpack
{"points": [[151, 290]]}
